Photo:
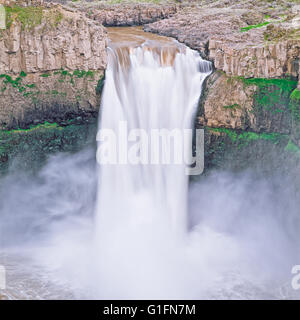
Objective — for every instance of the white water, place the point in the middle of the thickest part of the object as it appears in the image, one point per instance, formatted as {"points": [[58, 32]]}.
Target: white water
{"points": [[74, 231], [141, 211], [148, 95]]}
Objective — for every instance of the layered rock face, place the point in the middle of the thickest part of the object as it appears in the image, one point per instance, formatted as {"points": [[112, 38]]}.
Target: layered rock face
{"points": [[28, 149], [133, 15], [126, 14], [51, 62], [50, 66], [265, 60], [258, 105], [240, 41], [24, 3], [255, 48]]}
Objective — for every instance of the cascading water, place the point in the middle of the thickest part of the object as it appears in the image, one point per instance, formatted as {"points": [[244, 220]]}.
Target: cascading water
{"points": [[149, 85], [62, 237]]}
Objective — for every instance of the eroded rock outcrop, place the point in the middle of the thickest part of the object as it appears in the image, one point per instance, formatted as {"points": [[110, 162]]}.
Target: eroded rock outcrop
{"points": [[223, 35], [129, 15], [126, 13], [50, 65], [236, 110], [24, 3], [255, 48], [258, 105]]}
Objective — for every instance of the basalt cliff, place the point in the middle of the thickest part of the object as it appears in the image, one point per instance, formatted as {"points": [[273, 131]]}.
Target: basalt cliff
{"points": [[52, 68], [251, 102], [52, 65]]}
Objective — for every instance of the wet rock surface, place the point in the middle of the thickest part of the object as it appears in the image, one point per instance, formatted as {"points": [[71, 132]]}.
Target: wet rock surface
{"points": [[29, 149]]}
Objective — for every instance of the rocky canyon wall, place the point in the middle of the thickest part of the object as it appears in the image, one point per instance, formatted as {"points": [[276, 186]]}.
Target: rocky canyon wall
{"points": [[125, 14], [255, 48], [52, 65], [24, 3], [129, 15]]}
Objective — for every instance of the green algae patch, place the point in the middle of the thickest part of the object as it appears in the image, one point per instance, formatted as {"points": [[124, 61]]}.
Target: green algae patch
{"points": [[295, 95], [267, 23], [69, 76], [285, 85], [273, 94], [232, 106], [45, 125], [242, 138], [29, 148], [15, 83], [293, 148], [100, 85], [31, 90], [11, 139], [254, 26], [232, 134], [252, 136], [295, 105]]}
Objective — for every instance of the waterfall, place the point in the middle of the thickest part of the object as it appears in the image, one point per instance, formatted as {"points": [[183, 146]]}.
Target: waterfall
{"points": [[62, 236], [148, 86], [141, 208]]}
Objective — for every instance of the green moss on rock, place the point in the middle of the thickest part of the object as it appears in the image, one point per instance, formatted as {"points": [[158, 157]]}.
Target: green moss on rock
{"points": [[31, 147], [273, 94], [100, 85], [255, 26], [62, 76], [240, 150], [29, 17], [242, 138], [286, 85], [15, 82], [32, 16], [292, 147], [232, 106], [295, 105]]}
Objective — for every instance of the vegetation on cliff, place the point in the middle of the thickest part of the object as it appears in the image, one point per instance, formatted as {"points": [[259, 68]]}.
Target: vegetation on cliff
{"points": [[30, 17], [273, 98], [295, 104], [51, 61], [255, 26], [272, 94], [66, 84], [292, 147], [242, 138], [33, 145]]}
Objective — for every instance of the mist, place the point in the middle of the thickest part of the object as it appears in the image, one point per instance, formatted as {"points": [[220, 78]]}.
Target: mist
{"points": [[76, 229], [242, 240]]}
